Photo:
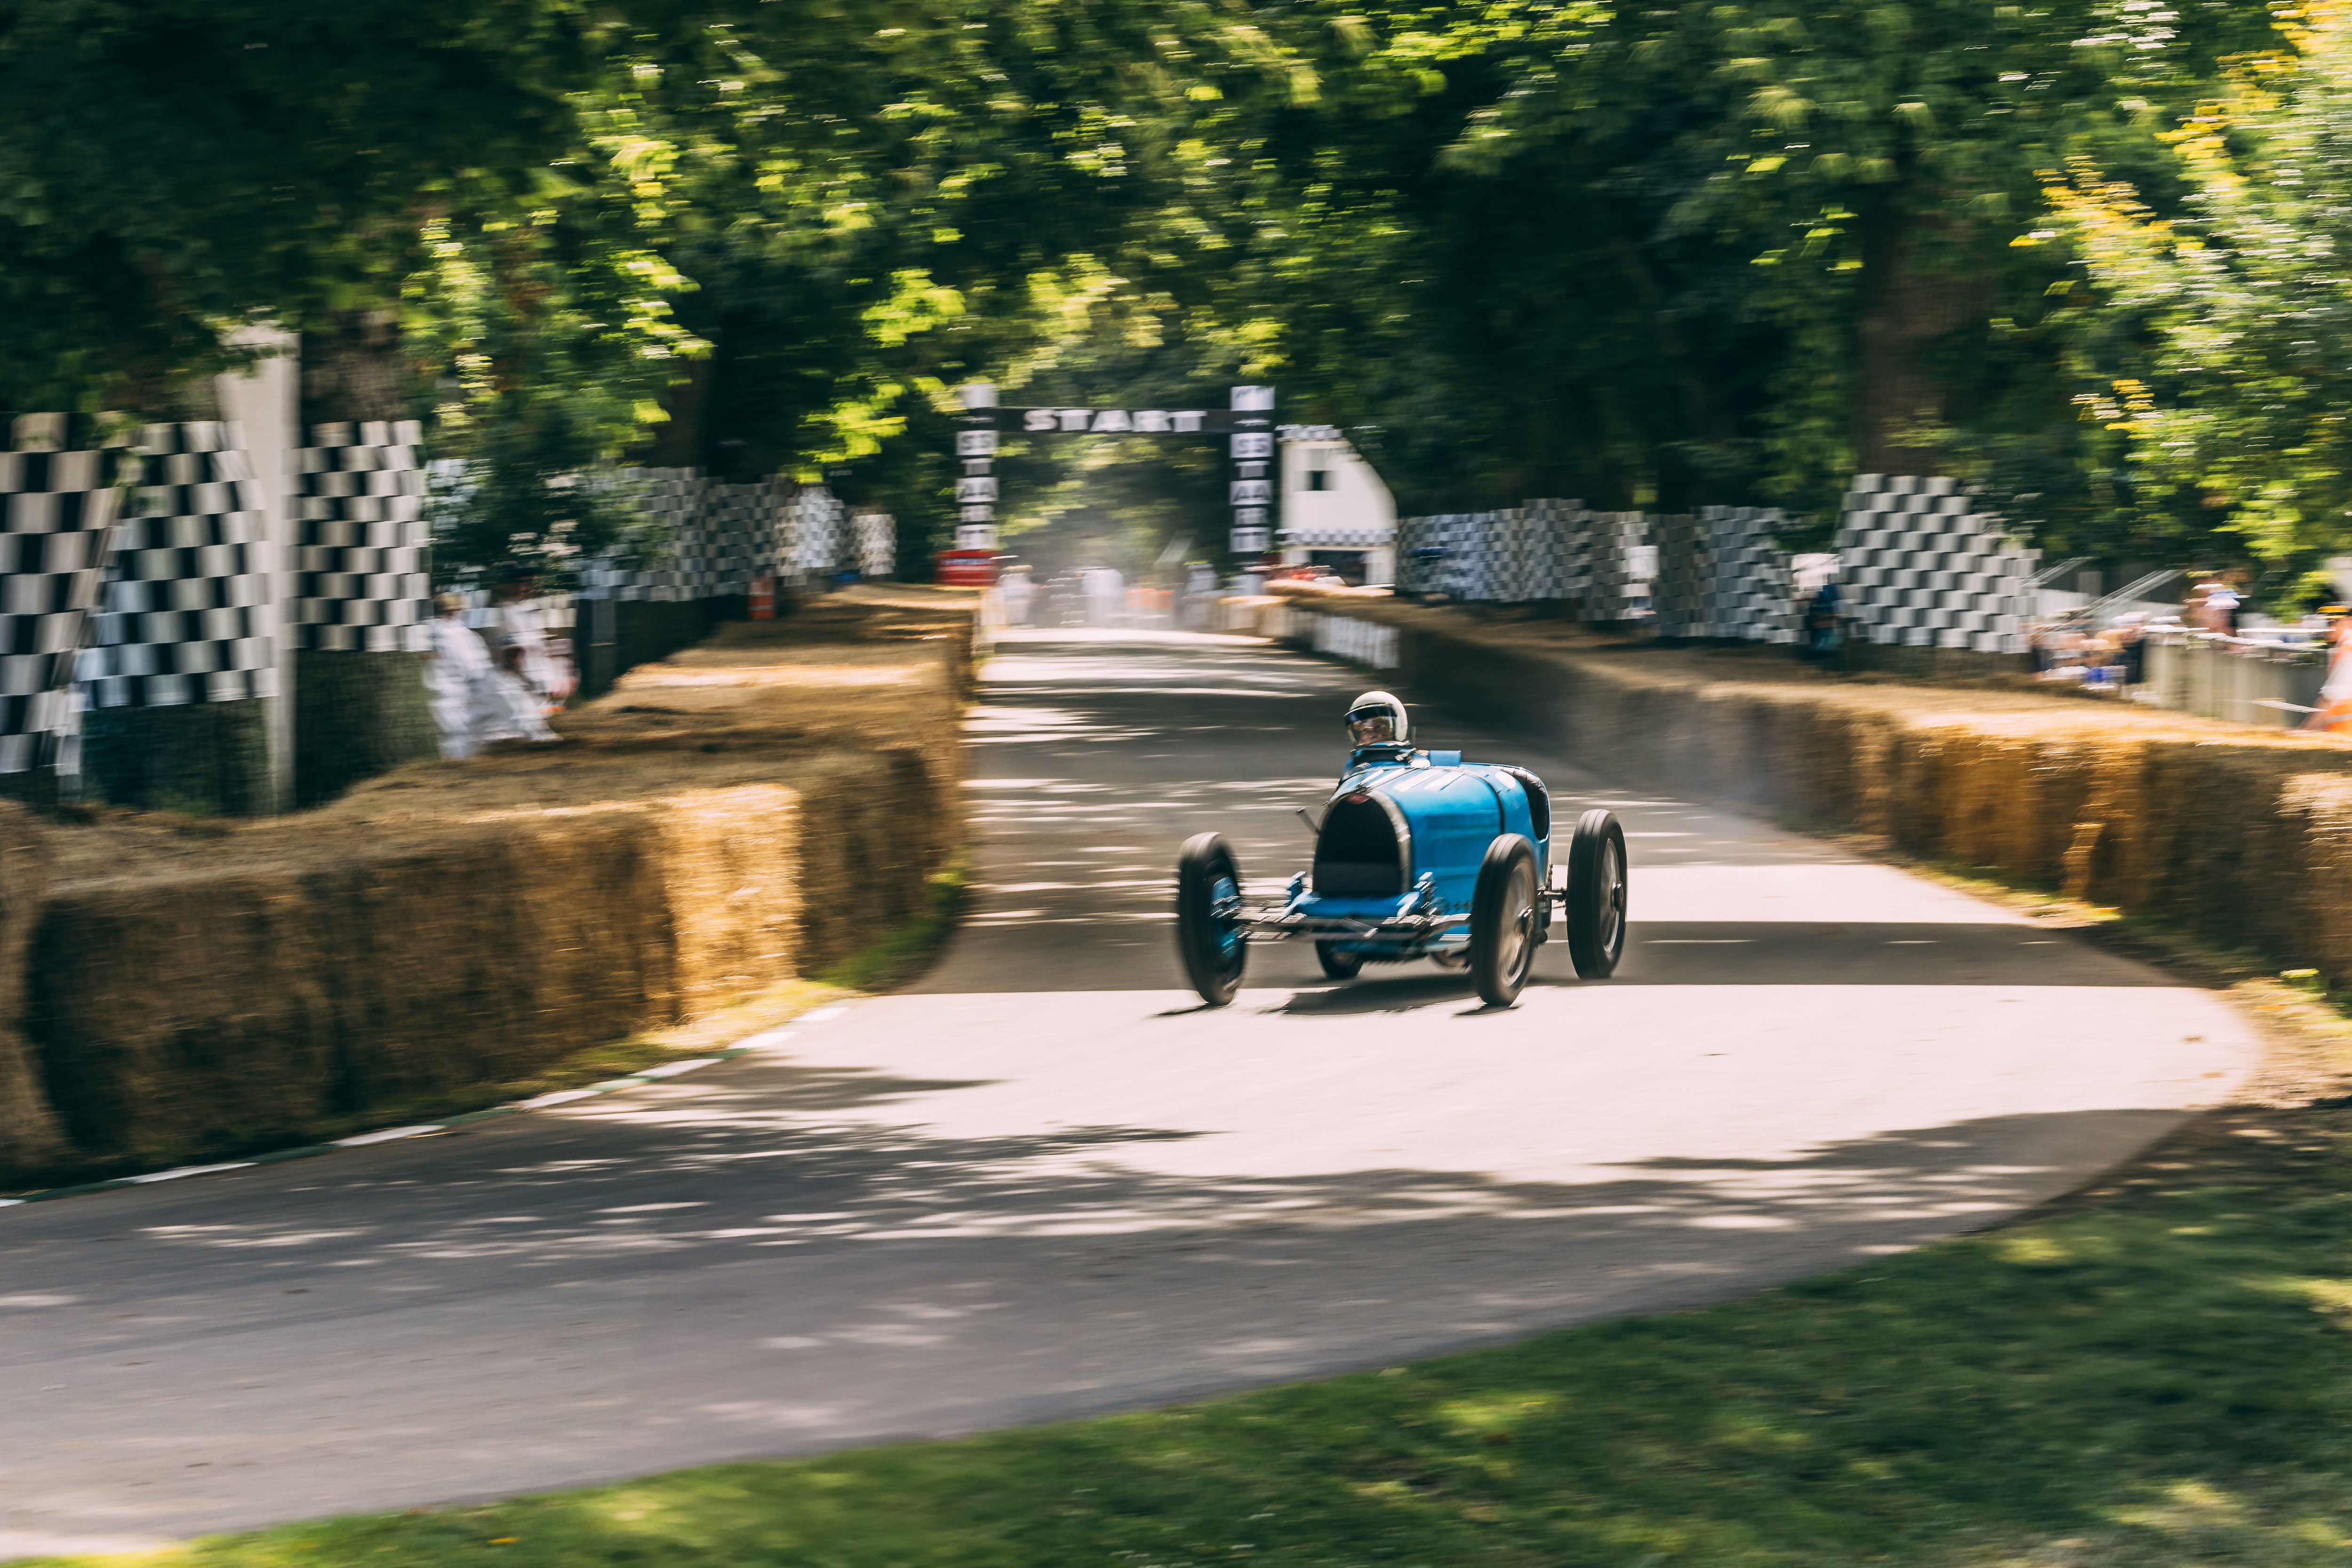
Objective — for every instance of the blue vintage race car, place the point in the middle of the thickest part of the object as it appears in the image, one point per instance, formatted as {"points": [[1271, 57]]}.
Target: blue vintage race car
{"points": [[1419, 855]]}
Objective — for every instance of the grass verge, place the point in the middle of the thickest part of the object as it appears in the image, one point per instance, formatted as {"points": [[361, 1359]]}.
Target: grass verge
{"points": [[2155, 1378]]}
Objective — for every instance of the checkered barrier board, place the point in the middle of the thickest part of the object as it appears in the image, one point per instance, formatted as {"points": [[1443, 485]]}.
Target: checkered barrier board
{"points": [[721, 536], [1920, 569], [819, 534], [1748, 591], [878, 544], [186, 615], [1551, 539], [360, 584], [1544, 550], [58, 508], [1334, 538], [1678, 593], [1610, 539], [1451, 553], [1362, 642]]}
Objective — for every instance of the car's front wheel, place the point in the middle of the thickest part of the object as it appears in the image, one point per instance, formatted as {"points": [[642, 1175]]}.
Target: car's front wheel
{"points": [[1208, 918], [1504, 915], [1595, 902]]}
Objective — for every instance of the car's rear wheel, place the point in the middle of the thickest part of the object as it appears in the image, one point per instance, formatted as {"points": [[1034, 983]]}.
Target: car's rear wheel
{"points": [[1336, 965], [1503, 920], [1208, 918], [1595, 902]]}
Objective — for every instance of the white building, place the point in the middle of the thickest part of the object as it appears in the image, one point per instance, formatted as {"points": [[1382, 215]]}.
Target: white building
{"points": [[1335, 511]]}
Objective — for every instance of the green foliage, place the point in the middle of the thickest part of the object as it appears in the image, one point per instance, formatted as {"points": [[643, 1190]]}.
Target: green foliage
{"points": [[2229, 401], [169, 168], [1696, 253]]}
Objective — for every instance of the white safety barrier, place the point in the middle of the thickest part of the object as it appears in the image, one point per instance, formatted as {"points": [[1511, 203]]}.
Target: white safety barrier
{"points": [[1362, 642]]}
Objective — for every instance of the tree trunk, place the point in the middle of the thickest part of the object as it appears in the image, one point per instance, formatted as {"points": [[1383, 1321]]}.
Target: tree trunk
{"points": [[356, 714], [1907, 313], [676, 442], [351, 370]]}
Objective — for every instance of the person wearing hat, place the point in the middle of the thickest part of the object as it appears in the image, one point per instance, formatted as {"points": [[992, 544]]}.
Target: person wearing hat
{"points": [[2335, 713], [457, 667], [1377, 731]]}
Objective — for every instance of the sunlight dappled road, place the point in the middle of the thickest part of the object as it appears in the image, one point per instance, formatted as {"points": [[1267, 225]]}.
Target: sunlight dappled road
{"points": [[1044, 1182]]}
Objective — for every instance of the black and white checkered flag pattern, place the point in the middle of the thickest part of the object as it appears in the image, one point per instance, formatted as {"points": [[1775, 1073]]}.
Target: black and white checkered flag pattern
{"points": [[1678, 593], [360, 578], [672, 499], [722, 537], [58, 505], [878, 544], [1542, 549], [1335, 538], [820, 534], [1447, 553], [1748, 591], [1552, 537], [1920, 569], [1610, 539], [186, 615]]}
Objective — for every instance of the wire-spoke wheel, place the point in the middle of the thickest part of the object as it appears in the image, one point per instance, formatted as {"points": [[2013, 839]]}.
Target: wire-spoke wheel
{"points": [[1208, 918], [1596, 895], [1503, 920]]}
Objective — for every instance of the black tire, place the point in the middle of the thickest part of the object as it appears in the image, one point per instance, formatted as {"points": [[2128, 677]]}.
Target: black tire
{"points": [[1594, 905], [1336, 965], [1504, 915], [1208, 911]]}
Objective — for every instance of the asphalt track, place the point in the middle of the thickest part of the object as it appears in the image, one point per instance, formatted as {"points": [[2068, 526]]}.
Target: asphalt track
{"points": [[1044, 1182]]}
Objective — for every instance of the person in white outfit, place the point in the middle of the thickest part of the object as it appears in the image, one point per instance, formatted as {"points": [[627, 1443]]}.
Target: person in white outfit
{"points": [[506, 708], [519, 623], [455, 668]]}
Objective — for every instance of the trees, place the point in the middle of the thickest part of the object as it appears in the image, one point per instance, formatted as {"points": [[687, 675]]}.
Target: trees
{"points": [[169, 168], [1697, 252], [2229, 398]]}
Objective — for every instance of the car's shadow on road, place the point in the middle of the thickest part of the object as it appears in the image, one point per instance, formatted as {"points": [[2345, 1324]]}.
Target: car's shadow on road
{"points": [[1403, 994]]}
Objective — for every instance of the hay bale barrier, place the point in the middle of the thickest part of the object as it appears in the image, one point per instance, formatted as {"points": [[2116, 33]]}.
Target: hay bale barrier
{"points": [[29, 1135], [751, 810], [2240, 834]]}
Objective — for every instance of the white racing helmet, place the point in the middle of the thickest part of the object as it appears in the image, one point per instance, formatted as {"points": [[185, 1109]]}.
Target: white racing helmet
{"points": [[1377, 719]]}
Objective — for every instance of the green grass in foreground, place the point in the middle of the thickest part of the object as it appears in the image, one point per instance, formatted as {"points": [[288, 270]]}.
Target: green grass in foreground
{"points": [[2155, 1375]]}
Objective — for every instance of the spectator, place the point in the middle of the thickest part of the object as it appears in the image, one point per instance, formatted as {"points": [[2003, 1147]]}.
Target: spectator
{"points": [[2334, 715], [2213, 604], [517, 622], [2130, 636], [456, 667], [507, 708], [1821, 618]]}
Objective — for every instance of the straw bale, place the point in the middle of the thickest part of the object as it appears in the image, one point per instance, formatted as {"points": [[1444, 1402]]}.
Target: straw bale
{"points": [[29, 1134], [2242, 834], [752, 810]]}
